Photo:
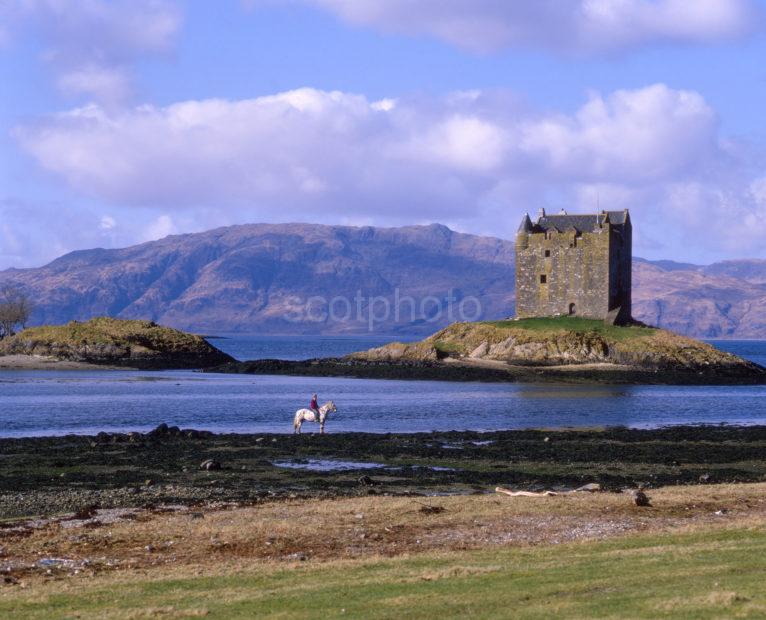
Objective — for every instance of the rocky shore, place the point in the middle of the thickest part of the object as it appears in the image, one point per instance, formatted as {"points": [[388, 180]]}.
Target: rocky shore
{"points": [[474, 370], [172, 466]]}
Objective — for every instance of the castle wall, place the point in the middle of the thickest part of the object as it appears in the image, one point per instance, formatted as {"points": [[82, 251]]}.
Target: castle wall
{"points": [[577, 271], [620, 257]]}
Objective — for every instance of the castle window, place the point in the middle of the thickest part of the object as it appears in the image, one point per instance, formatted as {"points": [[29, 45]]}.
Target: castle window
{"points": [[547, 253], [543, 279]]}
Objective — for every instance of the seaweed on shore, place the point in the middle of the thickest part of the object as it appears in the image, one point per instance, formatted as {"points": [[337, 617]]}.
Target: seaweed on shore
{"points": [[48, 475]]}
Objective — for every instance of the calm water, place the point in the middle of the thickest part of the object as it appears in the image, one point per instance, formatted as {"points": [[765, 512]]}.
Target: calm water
{"points": [[50, 402], [250, 347]]}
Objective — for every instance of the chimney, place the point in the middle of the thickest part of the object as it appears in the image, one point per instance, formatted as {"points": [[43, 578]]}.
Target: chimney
{"points": [[540, 213]]}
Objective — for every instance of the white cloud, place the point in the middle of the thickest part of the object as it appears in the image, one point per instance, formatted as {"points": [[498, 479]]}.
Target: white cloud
{"points": [[159, 228], [107, 222], [311, 148], [91, 45], [579, 26], [471, 157]]}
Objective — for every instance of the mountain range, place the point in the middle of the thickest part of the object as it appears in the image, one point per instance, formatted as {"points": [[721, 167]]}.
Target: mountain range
{"points": [[305, 278]]}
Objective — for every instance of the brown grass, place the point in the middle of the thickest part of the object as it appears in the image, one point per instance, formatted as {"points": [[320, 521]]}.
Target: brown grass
{"points": [[368, 527]]}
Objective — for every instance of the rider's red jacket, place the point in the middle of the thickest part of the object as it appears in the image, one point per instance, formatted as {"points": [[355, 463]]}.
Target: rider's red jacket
{"points": [[313, 404]]}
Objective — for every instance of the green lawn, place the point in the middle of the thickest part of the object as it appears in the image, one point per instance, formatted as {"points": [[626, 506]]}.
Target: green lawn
{"points": [[575, 324], [714, 574]]}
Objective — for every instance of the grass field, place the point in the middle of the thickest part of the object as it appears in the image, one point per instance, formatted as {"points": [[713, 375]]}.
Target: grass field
{"points": [[699, 552], [711, 574]]}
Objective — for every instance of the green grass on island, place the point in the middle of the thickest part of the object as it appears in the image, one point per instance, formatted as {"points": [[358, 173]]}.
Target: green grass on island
{"points": [[698, 574], [106, 330], [575, 324]]}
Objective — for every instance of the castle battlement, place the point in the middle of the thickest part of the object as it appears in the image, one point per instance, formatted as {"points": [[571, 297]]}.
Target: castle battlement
{"points": [[576, 264]]}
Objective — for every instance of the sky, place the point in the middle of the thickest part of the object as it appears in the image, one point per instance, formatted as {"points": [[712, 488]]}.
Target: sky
{"points": [[123, 121]]}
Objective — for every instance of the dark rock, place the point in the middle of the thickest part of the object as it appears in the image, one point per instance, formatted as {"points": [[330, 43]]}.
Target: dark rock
{"points": [[86, 512], [641, 498], [366, 481], [160, 431], [744, 373], [210, 465]]}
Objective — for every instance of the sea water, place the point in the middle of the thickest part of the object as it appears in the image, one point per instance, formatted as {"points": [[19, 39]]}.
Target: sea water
{"points": [[88, 401]]}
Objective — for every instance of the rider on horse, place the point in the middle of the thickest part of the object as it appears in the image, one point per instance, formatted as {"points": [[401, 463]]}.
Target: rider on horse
{"points": [[314, 406]]}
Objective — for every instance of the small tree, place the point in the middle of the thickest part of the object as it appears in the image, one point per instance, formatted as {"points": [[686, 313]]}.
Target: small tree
{"points": [[15, 310]]}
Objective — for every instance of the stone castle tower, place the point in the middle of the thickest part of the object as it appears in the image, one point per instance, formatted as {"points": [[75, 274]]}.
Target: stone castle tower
{"points": [[575, 265]]}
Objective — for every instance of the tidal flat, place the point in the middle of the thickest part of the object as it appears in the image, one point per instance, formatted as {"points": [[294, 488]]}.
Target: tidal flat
{"points": [[43, 476]]}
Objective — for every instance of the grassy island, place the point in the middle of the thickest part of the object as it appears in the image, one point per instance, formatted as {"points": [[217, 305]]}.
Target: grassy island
{"points": [[114, 342], [565, 349]]}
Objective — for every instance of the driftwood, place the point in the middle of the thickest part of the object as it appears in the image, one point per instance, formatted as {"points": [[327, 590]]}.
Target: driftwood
{"points": [[525, 493], [593, 487]]}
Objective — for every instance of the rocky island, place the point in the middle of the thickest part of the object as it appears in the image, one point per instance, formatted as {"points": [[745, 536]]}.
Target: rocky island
{"points": [[563, 349], [108, 342]]}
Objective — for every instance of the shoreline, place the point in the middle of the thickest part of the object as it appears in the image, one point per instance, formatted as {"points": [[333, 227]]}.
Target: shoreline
{"points": [[121, 435], [50, 475], [44, 362], [495, 372]]}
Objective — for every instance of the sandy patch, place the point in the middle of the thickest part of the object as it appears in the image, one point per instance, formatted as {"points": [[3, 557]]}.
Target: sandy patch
{"points": [[40, 362]]}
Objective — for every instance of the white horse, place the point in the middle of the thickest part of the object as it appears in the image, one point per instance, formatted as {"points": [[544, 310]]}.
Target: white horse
{"points": [[307, 415]]}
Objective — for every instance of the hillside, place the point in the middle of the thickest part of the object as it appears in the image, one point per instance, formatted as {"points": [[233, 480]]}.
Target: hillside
{"points": [[722, 300], [270, 278], [134, 344], [263, 277]]}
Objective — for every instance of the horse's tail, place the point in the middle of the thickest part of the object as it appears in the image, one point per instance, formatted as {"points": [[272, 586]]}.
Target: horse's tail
{"points": [[295, 420]]}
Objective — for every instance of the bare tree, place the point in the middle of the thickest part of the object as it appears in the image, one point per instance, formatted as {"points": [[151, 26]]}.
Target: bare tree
{"points": [[15, 310]]}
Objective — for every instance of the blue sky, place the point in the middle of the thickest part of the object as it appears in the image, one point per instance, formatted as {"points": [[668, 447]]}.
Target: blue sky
{"points": [[122, 121]]}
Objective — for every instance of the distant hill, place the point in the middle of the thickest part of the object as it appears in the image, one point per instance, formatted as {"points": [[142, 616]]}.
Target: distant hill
{"points": [[270, 278], [298, 278], [722, 300]]}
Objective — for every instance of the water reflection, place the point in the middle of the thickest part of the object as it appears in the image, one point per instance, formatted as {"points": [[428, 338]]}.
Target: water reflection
{"points": [[574, 392]]}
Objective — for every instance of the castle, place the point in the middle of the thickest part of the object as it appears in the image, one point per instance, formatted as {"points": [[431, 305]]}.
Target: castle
{"points": [[575, 265]]}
